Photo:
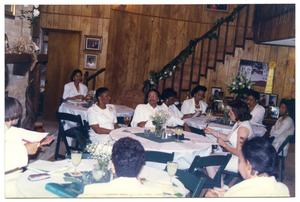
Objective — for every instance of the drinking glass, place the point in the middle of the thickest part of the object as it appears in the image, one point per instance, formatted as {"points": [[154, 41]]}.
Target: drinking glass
{"points": [[76, 159], [171, 169]]}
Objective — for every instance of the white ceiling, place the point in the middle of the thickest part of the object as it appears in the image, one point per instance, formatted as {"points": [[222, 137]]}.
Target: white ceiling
{"points": [[283, 42]]}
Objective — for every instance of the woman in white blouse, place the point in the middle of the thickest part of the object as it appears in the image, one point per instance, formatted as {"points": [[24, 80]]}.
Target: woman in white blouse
{"points": [[283, 127], [257, 167], [75, 90], [196, 104], [239, 113], [102, 116], [143, 112]]}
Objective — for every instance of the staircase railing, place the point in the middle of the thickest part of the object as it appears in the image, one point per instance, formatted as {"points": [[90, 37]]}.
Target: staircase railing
{"points": [[179, 61], [92, 77]]}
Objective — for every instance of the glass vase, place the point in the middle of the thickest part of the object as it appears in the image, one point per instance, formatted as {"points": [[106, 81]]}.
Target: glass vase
{"points": [[159, 130]]}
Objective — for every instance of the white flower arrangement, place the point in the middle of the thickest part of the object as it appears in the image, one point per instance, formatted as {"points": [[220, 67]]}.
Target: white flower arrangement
{"points": [[240, 83], [160, 117], [101, 152]]}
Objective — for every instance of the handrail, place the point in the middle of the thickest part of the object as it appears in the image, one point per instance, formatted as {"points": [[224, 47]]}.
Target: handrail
{"points": [[87, 78], [169, 68]]}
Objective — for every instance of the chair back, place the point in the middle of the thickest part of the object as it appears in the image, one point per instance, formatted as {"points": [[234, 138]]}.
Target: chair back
{"points": [[191, 182], [158, 157], [214, 160], [288, 140], [79, 132]]}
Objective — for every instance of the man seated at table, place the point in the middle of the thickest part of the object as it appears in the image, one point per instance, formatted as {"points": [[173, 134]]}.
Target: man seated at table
{"points": [[102, 116], [196, 104], [128, 158], [143, 112], [257, 111]]}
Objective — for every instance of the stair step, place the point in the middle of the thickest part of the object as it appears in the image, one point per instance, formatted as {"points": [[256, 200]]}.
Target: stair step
{"points": [[185, 90], [195, 82]]}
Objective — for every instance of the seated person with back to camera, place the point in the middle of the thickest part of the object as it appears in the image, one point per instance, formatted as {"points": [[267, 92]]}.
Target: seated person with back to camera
{"points": [[128, 158]]}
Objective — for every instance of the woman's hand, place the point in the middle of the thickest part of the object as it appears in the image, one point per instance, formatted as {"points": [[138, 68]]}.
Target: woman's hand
{"points": [[211, 131], [46, 141], [221, 142]]}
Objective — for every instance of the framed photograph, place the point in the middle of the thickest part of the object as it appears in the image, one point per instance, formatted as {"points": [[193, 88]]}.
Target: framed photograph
{"points": [[90, 61], [264, 99], [273, 100], [256, 72], [93, 43], [217, 7], [216, 92]]}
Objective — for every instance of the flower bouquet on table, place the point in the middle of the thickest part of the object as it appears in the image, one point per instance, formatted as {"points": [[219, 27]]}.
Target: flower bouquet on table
{"points": [[159, 120], [240, 86], [102, 153]]}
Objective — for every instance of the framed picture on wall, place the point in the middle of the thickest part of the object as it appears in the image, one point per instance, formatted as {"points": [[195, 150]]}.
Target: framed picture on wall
{"points": [[256, 72], [217, 7], [215, 91], [273, 100], [93, 43], [90, 61]]}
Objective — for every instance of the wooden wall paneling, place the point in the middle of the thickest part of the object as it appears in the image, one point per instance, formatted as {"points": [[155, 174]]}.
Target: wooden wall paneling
{"points": [[75, 10], [280, 71], [290, 76]]}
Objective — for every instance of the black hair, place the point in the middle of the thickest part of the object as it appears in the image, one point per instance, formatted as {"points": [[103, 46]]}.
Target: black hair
{"points": [[197, 89], [261, 154], [241, 110], [74, 73], [254, 94], [13, 109], [290, 105], [128, 157], [152, 90], [167, 93], [100, 91]]}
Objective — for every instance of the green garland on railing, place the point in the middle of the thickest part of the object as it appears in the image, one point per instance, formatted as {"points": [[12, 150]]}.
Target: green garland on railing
{"points": [[168, 69]]}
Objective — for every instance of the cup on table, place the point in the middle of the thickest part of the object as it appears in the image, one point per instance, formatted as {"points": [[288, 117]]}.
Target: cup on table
{"points": [[147, 131], [171, 169]]}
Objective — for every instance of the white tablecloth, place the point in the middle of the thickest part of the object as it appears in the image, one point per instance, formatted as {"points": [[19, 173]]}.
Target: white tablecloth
{"points": [[200, 123], [185, 151], [37, 189]]}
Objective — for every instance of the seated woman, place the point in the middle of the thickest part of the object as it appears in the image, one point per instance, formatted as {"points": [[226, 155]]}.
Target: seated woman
{"points": [[257, 167], [75, 90], [196, 104], [128, 158], [14, 145], [241, 130], [16, 149], [143, 112], [175, 115], [283, 127], [102, 116]]}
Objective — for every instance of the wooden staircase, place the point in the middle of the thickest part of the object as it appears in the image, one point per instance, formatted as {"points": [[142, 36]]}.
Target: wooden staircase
{"points": [[206, 51]]}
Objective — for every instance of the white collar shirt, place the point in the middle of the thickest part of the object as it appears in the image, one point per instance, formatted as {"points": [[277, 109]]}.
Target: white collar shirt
{"points": [[258, 114], [70, 90], [188, 106], [143, 112]]}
